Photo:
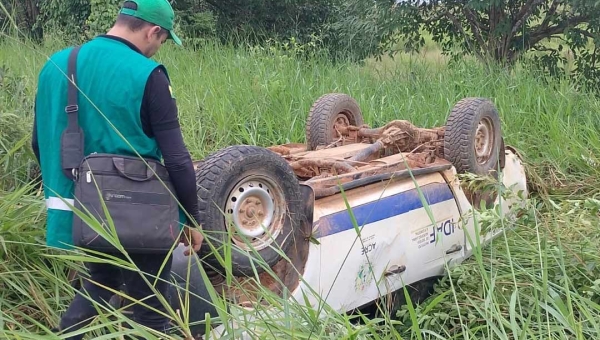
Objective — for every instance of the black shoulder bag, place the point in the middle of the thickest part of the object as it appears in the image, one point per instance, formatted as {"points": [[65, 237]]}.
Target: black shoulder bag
{"points": [[136, 192]]}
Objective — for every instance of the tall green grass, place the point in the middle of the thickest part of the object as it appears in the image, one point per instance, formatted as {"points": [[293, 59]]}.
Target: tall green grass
{"points": [[538, 280], [231, 96]]}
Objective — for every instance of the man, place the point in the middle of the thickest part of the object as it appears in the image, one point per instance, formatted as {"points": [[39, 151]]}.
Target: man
{"points": [[116, 73]]}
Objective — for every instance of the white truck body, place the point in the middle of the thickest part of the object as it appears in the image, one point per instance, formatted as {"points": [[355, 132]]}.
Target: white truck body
{"points": [[394, 242]]}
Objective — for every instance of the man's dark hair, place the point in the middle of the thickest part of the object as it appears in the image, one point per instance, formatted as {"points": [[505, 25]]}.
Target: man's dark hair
{"points": [[133, 23]]}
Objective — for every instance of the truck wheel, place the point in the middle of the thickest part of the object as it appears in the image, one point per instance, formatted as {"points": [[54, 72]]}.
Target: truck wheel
{"points": [[327, 115], [248, 198], [473, 137]]}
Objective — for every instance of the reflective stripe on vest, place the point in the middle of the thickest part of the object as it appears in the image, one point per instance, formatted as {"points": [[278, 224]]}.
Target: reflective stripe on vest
{"points": [[58, 203]]}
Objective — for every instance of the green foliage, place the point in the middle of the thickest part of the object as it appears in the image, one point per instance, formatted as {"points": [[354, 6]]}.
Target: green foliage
{"points": [[356, 30], [8, 12], [19, 17], [15, 155], [557, 36], [64, 18], [196, 27], [537, 281], [547, 32], [291, 49], [260, 20], [195, 20], [102, 16]]}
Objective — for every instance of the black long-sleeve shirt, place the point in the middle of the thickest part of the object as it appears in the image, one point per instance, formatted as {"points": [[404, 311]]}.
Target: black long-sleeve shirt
{"points": [[159, 119]]}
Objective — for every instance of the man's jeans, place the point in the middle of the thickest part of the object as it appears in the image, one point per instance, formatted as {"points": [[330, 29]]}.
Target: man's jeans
{"points": [[82, 311]]}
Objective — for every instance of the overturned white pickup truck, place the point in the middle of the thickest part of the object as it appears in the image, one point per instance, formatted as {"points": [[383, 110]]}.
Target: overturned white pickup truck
{"points": [[353, 215]]}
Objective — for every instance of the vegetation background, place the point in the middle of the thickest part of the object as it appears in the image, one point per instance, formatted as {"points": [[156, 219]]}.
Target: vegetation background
{"points": [[248, 74]]}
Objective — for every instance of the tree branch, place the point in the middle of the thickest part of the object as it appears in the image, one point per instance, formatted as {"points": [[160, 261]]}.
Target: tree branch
{"points": [[31, 13], [541, 34], [460, 28], [455, 22], [495, 15], [524, 14], [544, 49], [585, 33], [434, 18], [549, 14], [475, 25]]}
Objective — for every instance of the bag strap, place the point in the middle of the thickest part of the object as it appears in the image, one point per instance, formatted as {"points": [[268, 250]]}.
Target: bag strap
{"points": [[72, 139], [134, 169], [72, 109]]}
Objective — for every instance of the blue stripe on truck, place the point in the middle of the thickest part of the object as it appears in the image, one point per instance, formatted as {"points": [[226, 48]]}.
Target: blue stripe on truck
{"points": [[383, 208]]}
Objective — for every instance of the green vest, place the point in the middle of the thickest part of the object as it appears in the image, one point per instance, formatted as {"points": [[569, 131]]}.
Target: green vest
{"points": [[111, 78]]}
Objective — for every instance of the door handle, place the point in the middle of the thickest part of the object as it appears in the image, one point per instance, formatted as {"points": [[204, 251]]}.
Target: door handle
{"points": [[395, 270], [455, 248]]}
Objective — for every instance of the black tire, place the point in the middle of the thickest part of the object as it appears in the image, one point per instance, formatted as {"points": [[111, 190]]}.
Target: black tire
{"points": [[320, 125], [460, 137], [229, 170]]}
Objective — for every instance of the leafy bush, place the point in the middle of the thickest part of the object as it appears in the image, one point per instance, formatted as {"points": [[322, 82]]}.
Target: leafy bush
{"points": [[102, 16], [356, 30], [64, 18], [196, 27]]}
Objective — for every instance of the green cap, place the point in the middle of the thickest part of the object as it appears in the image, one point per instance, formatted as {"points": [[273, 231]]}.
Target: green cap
{"points": [[157, 12]]}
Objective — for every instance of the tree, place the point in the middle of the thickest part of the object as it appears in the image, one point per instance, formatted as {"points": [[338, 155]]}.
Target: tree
{"points": [[65, 18], [503, 31], [32, 11], [263, 19], [24, 15]]}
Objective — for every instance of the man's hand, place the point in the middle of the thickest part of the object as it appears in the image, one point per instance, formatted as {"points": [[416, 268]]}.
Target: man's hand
{"points": [[195, 236]]}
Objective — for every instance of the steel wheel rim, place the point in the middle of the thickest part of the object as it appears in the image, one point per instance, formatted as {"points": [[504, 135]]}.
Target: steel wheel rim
{"points": [[484, 141], [255, 206]]}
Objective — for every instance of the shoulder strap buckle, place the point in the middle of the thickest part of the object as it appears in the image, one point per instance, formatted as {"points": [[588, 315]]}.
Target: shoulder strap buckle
{"points": [[72, 108]]}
